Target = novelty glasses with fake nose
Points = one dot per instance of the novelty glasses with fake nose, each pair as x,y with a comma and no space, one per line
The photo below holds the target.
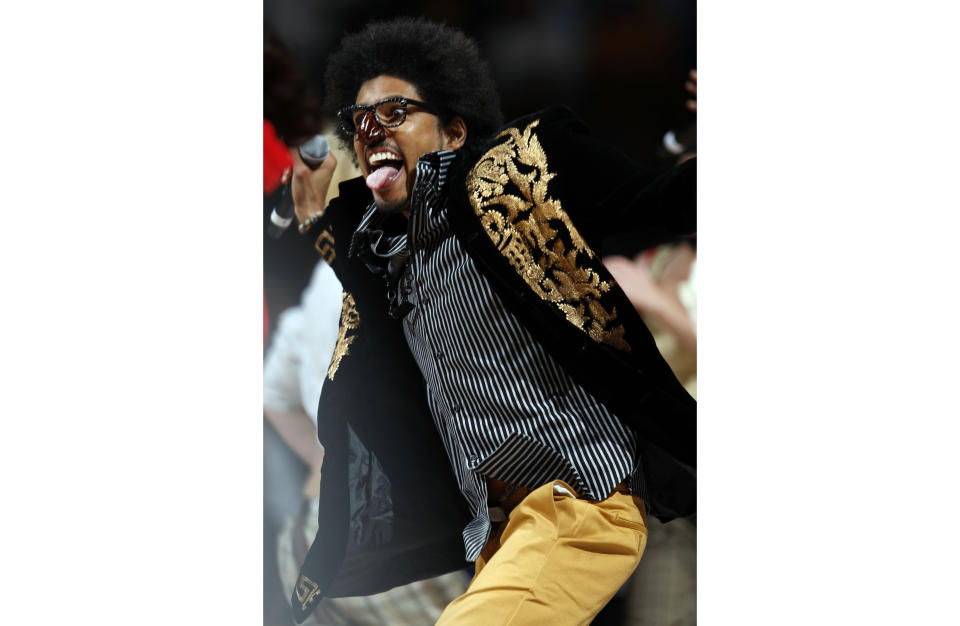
389,112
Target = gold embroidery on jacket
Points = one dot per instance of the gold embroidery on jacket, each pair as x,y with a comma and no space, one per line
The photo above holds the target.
324,245
349,320
307,592
508,191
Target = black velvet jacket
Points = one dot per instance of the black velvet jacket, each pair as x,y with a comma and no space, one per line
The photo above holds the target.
533,212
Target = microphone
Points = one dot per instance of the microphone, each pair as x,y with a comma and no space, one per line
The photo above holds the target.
313,152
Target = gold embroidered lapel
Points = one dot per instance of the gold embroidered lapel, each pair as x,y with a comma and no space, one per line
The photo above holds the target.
508,190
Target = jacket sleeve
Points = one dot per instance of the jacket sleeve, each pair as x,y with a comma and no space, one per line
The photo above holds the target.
332,233
665,202
608,192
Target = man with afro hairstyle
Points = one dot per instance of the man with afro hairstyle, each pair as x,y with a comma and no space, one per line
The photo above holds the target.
476,303
443,63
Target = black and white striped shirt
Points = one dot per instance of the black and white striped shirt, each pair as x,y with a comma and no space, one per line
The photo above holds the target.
504,407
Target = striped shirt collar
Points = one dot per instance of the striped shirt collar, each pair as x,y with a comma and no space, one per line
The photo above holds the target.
380,239
428,188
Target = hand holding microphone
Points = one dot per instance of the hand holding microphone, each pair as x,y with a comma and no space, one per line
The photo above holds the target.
306,194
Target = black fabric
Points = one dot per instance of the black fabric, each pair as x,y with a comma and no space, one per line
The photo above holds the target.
368,543
382,247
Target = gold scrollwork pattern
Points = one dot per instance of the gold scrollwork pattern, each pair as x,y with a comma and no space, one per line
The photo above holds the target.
508,191
349,320
324,245
307,592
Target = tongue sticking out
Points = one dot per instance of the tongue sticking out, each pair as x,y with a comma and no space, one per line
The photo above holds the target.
381,177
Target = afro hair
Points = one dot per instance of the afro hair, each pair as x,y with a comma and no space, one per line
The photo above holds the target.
440,61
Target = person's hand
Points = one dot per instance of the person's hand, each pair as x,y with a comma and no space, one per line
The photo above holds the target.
676,268
691,86
310,186
637,282
648,298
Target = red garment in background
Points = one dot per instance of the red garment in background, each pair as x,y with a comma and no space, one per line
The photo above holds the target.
276,158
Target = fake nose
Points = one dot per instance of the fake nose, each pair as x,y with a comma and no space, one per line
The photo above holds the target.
370,131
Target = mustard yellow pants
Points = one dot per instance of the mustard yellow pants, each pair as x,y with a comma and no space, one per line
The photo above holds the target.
556,560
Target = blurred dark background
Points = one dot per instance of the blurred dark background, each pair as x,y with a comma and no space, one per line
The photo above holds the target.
620,64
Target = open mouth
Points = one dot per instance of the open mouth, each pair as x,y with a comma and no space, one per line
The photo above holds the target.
384,166
381,158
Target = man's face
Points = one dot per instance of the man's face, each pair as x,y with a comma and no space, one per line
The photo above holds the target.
399,147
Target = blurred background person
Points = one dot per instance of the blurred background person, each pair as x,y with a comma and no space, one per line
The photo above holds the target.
294,370
660,282
290,116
